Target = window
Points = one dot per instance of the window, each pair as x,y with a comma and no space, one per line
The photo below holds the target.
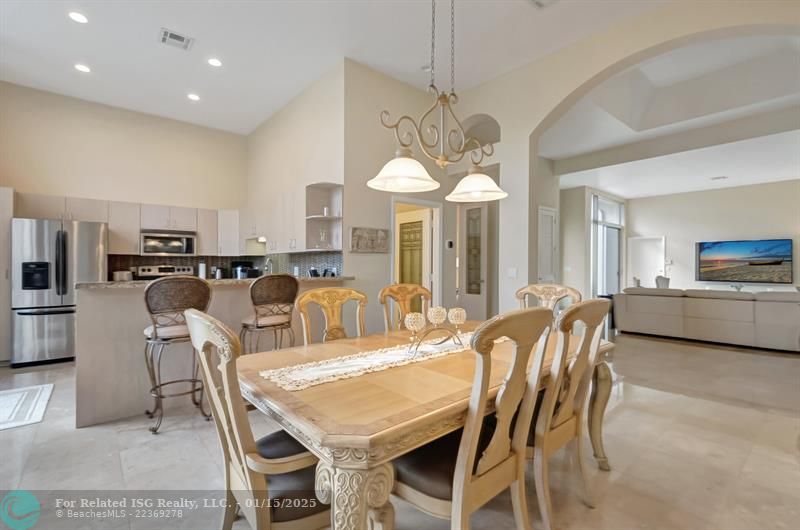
608,220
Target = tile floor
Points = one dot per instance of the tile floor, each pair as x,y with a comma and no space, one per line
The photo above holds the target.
699,437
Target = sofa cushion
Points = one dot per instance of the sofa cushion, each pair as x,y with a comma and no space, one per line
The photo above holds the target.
776,296
652,291
718,309
724,295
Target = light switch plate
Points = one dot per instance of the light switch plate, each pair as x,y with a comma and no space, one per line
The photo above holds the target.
512,272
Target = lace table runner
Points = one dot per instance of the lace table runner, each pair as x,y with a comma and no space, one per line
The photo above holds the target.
302,376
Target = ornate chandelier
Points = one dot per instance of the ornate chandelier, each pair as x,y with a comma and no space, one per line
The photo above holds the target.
441,137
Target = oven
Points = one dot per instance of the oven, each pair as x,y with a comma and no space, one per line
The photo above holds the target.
164,243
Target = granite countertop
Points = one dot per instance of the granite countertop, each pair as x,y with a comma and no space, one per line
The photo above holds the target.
228,281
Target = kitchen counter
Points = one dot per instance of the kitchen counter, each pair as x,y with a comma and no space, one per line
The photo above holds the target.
111,380
226,281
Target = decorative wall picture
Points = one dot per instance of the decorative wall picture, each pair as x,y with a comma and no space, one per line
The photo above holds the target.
369,240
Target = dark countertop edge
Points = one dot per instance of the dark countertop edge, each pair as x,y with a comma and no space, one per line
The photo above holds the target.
223,282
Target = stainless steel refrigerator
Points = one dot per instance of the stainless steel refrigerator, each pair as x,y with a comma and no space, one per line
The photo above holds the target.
47,258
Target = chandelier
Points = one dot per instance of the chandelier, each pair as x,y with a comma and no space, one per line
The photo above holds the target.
441,137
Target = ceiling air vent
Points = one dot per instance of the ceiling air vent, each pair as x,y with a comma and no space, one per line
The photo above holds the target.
171,38
543,3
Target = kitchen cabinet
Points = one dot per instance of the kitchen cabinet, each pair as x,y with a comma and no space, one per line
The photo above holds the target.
207,233
184,219
124,224
92,210
159,217
6,209
155,217
35,206
228,233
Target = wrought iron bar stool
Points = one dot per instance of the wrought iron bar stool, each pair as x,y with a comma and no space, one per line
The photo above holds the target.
273,299
166,299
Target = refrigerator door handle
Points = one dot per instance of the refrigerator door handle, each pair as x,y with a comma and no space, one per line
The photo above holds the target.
44,312
59,262
64,263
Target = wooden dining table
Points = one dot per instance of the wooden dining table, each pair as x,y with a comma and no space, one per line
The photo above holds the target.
357,426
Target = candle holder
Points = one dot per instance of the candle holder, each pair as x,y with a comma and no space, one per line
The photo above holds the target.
436,316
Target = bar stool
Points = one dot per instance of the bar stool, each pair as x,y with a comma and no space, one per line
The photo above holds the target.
273,299
166,299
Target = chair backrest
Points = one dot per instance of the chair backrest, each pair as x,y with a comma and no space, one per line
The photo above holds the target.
525,328
218,348
662,282
548,295
167,298
274,295
566,393
402,294
330,300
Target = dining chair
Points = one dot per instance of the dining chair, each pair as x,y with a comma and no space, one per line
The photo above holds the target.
403,294
548,295
330,300
166,299
559,420
273,299
270,480
455,475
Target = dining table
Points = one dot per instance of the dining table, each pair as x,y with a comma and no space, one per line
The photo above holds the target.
356,426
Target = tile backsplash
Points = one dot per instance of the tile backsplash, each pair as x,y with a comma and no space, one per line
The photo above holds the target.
283,263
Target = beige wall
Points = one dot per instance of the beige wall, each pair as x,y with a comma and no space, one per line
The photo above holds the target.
574,222
526,98
763,211
59,145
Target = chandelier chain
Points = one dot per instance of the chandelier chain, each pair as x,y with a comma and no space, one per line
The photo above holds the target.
452,45
433,42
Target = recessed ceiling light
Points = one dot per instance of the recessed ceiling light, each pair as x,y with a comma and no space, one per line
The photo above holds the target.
193,97
83,68
215,62
80,18
721,177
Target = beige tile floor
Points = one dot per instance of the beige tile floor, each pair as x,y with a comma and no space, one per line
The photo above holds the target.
699,437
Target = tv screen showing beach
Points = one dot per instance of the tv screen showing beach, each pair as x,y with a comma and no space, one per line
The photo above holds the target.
756,261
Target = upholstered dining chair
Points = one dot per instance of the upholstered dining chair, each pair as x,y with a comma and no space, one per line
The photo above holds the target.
273,299
547,295
403,294
270,480
455,475
560,416
330,300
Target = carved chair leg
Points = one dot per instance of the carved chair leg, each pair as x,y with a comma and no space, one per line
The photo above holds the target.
519,502
580,464
542,481
598,400
231,507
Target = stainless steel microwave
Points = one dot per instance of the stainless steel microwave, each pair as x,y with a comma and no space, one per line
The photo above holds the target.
164,243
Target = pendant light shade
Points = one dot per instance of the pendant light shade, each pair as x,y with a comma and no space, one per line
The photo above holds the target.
403,174
477,186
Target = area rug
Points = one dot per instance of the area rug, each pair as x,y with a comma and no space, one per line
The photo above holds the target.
23,406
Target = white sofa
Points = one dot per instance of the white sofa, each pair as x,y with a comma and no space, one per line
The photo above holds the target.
765,320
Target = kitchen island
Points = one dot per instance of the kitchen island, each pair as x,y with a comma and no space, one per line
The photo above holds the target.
111,380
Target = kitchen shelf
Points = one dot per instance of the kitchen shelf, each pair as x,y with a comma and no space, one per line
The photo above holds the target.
324,230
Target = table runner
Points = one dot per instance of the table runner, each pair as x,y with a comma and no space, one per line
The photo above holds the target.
302,376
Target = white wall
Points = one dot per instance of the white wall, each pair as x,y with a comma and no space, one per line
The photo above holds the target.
574,221
524,101
763,211
59,145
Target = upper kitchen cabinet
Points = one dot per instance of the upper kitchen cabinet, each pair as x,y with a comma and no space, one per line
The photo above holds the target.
35,206
228,233
184,219
91,210
158,217
123,227
207,232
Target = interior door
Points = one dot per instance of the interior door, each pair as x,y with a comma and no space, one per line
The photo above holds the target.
548,245
473,259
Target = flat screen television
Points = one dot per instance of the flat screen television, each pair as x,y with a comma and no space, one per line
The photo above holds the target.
752,261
